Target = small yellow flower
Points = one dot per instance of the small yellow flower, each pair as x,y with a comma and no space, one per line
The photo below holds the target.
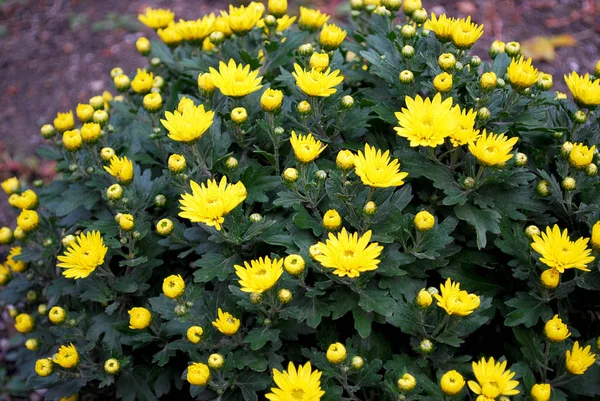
465,33
242,19
112,366
207,45
170,35
492,149
72,140
377,169
198,374
278,8
317,83
156,18
142,82
44,367
216,361
294,264
24,323
550,278
11,185
64,121
294,383
456,301
139,318
541,392
165,227
579,359
331,37
17,266
284,23
196,31
493,380
226,323
581,156
82,258
84,112
423,299
271,100
143,46
311,20
585,91
28,200
442,82
306,147
442,27
235,80
559,252
209,203
205,83
28,220
410,6
173,286
407,382
121,169
555,330
332,220
336,353
488,81
57,315
32,344
259,275
452,382
188,126
319,61
194,334
91,132
176,163
6,235
345,160
152,101
521,74
67,356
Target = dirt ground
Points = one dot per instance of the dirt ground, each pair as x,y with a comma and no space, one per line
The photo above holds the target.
54,54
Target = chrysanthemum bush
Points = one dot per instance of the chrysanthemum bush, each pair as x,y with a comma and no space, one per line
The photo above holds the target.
281,208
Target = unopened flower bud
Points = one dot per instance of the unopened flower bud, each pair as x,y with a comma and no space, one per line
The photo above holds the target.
231,163
255,217
304,108
469,182
543,188
180,310
216,38
531,231
521,159
143,46
100,117
406,77
544,82
314,251
426,346
279,131
48,131
357,362
591,170
392,5
579,117
408,32
160,200
565,149
512,49
569,184
370,208
321,175
239,115
420,16
216,361
500,83
256,297
447,61
306,49
284,296
356,4
483,114
475,61
347,102
290,175
408,51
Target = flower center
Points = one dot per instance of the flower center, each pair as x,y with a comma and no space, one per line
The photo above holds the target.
297,394
349,253
491,389
261,272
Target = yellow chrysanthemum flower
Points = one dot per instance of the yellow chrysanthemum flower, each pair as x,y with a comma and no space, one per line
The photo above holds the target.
442,27
195,31
170,35
156,17
579,359
493,379
11,185
465,33
348,254
139,318
67,356
521,73
331,36
595,235
198,374
28,200
277,7
317,83
142,82
242,19
581,156
284,23
24,323
311,20
456,301
491,149
585,91
15,265
64,121
209,203
188,126
82,257
376,169
555,330
226,323
302,384
306,147
121,169
452,382
28,220
426,122
235,80
173,286
44,367
465,132
259,275
559,252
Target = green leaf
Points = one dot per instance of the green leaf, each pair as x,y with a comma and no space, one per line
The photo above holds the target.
482,220
302,219
251,382
527,310
362,322
258,337
214,265
376,300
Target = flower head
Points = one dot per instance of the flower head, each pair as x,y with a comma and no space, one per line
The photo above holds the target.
336,353
556,330
271,100
317,83
541,392
15,265
24,323
91,132
196,30
156,17
521,74
194,334
452,382
64,121
332,220
465,132
331,36
188,126
142,82
277,7
456,301
581,156
139,318
11,185
442,82
226,323
284,23
493,379
67,356
442,27
579,359
198,374
377,169
82,258
559,252
242,19
311,20
424,221
28,220
465,33
72,140
306,147
173,286
44,367
259,275
585,91
121,168
235,80
492,149
210,202
595,240
426,122
301,384
170,35
348,254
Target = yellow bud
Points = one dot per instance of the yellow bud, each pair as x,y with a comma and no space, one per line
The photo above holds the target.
423,299
126,222
216,361
284,296
239,115
345,160
143,46
332,220
407,382
177,163
294,264
336,353
164,227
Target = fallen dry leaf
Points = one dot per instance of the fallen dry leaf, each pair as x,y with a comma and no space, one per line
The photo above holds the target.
543,47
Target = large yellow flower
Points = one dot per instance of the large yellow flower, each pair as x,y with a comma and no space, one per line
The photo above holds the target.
348,254
226,323
303,384
235,80
331,37
317,83
156,17
579,359
580,155
311,20
209,203
242,19
306,147
456,301
67,356
170,35
491,149
83,255
426,122
465,33
188,126
465,132
442,27
259,275
558,251
521,73
375,169
493,379
196,31
121,169
585,91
